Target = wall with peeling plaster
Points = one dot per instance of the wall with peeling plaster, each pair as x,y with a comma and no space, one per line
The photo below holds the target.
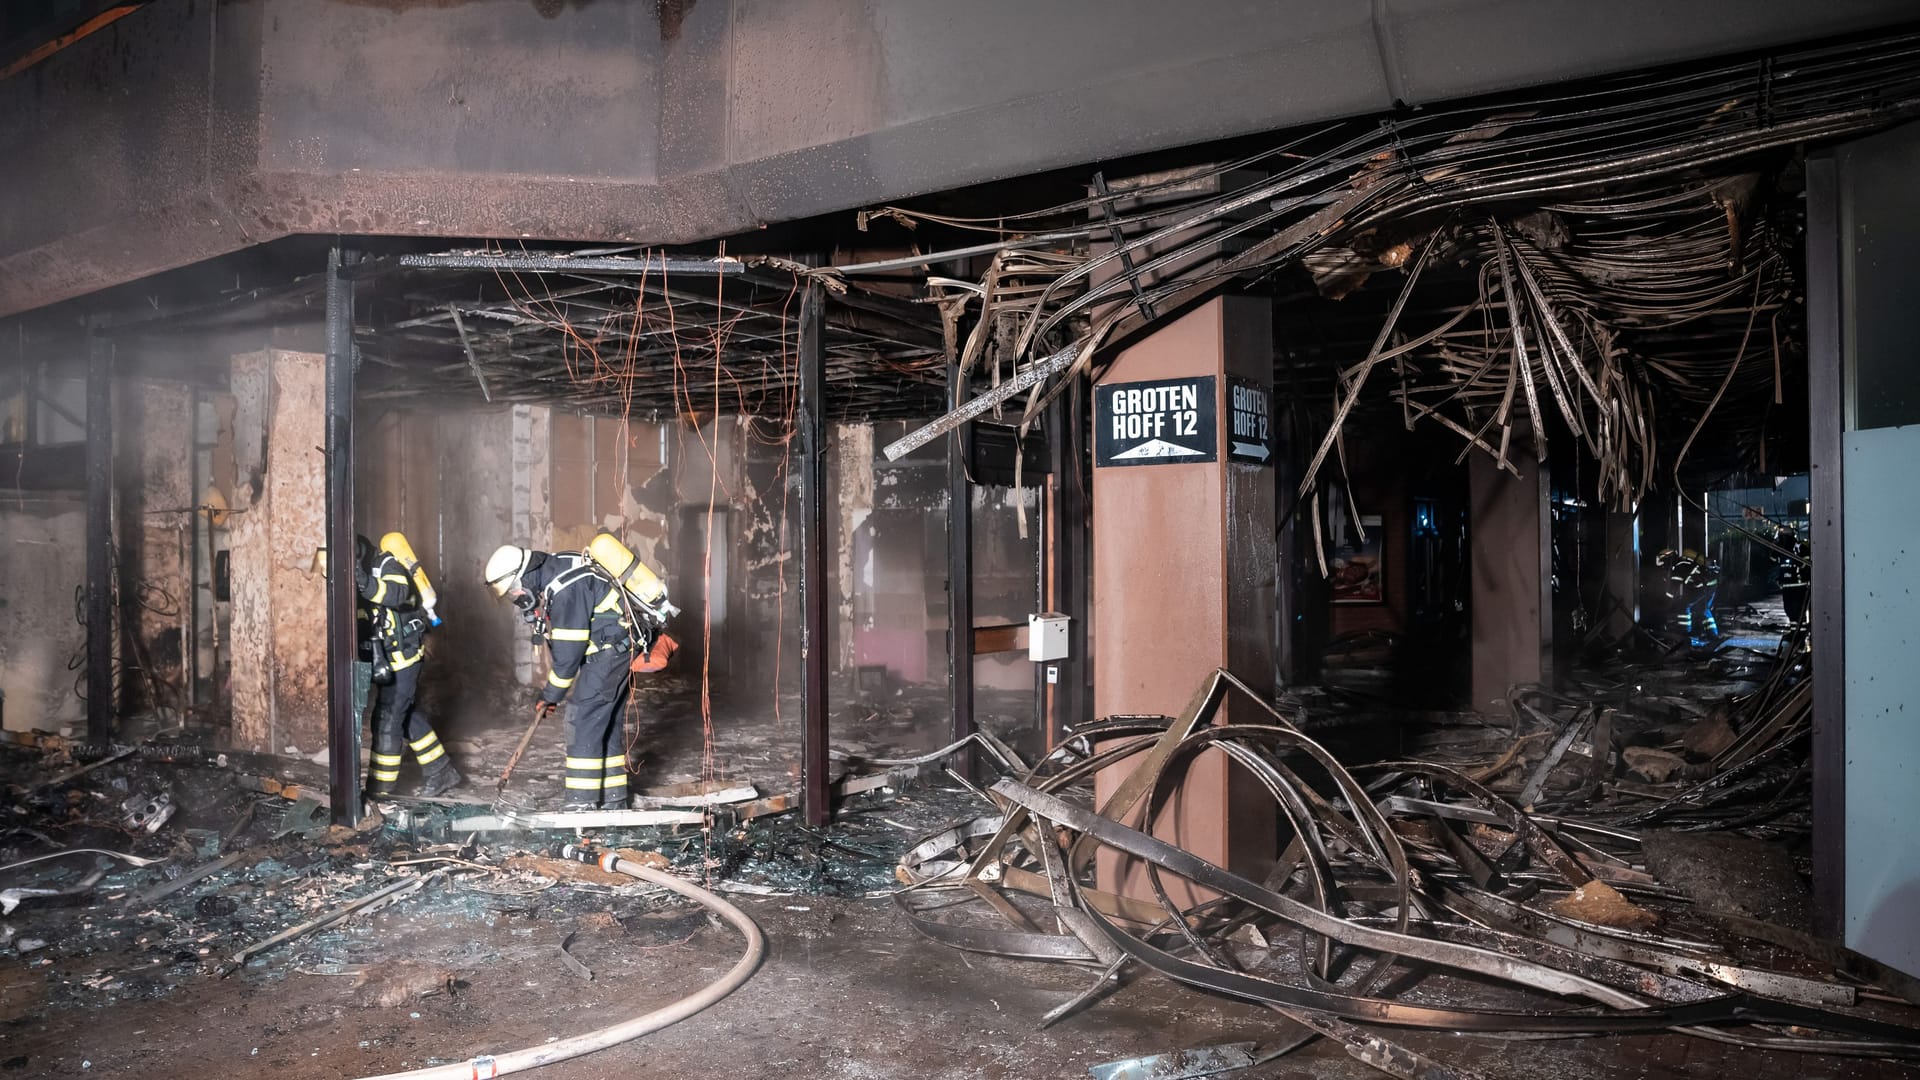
766,508
895,559
529,475
42,562
153,478
458,483
278,631
155,475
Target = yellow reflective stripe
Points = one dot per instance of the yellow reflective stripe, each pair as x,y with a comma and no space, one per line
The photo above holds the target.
387,759
401,663
428,757
386,776
424,741
567,635
554,678
583,783
583,763
398,578
615,780
379,591
612,761
611,603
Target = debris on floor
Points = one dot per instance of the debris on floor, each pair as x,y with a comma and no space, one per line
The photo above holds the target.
1409,891
1487,879
1179,1064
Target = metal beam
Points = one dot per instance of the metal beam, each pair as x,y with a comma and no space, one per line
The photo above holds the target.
813,557
559,263
959,574
1068,542
961,412
343,728
1826,426
100,699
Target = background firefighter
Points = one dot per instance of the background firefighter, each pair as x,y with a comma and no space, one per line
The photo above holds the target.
1796,573
1691,582
396,638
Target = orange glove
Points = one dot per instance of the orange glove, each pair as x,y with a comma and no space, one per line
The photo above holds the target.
545,709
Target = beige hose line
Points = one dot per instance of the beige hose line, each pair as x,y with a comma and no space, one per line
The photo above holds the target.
479,1068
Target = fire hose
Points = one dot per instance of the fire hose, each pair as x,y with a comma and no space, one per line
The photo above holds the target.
479,1068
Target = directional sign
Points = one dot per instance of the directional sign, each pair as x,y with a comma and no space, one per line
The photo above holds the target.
1157,422
1249,424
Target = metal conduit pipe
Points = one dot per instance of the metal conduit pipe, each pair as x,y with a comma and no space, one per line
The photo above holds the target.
479,1068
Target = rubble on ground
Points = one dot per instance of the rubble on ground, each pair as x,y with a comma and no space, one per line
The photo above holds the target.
1505,880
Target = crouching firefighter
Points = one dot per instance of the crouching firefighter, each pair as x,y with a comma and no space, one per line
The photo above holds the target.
592,625
391,585
1691,582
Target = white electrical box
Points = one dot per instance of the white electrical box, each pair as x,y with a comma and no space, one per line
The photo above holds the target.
1047,636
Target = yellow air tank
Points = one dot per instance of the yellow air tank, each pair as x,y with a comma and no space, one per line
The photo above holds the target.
618,559
395,544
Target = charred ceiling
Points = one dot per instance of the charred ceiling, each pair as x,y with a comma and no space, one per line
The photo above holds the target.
1609,266
189,130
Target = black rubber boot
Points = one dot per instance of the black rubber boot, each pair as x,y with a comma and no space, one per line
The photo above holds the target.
440,781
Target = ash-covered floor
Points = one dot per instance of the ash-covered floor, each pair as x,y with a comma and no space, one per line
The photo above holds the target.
134,975
670,739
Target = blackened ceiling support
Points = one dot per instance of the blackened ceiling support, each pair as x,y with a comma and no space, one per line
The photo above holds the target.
563,263
100,695
959,572
1068,540
343,726
814,794
1826,428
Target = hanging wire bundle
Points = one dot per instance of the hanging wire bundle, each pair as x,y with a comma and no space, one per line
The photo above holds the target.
644,342
1681,143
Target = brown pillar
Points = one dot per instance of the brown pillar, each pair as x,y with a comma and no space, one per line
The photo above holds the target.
1183,561
1511,598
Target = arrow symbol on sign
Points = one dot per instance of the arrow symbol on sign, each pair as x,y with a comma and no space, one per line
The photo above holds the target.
1256,451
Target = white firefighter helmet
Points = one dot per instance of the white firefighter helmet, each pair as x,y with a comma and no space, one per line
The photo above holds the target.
505,566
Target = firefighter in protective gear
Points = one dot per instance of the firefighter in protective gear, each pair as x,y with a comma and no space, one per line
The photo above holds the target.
397,629
1793,560
1796,572
579,609
1691,582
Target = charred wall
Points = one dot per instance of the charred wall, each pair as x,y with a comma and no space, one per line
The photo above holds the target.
460,481
42,562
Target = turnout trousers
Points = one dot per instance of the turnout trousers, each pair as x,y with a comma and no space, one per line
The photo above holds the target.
1793,597
596,731
398,728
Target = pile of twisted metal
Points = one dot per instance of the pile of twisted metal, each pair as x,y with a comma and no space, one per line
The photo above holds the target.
1408,895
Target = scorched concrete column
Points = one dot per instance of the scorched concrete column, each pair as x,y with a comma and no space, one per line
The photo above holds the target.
1183,563
279,628
1511,597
